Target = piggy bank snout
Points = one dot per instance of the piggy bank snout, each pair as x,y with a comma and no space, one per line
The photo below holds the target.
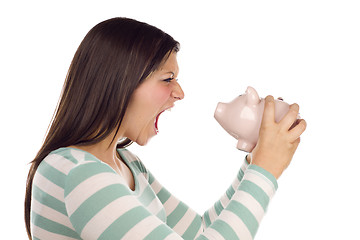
219,111
240,121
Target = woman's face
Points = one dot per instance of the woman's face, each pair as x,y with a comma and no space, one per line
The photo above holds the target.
156,94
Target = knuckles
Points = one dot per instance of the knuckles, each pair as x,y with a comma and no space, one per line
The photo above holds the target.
295,108
269,99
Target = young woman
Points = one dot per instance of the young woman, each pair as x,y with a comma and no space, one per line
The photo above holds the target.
84,184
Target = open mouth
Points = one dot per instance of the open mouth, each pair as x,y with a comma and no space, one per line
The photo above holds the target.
157,119
156,122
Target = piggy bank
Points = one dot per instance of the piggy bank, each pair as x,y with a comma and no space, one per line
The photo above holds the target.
241,117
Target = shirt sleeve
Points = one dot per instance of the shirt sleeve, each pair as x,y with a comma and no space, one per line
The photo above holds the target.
235,216
212,213
101,206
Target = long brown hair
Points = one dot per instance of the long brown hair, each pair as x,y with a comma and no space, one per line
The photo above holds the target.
112,60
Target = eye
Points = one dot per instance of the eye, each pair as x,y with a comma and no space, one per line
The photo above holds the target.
170,79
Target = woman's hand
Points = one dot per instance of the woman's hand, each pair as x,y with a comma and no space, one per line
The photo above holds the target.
277,141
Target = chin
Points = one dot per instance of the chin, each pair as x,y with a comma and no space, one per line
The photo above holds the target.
142,137
142,142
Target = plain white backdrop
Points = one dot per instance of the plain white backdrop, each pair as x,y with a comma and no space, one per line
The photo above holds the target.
304,51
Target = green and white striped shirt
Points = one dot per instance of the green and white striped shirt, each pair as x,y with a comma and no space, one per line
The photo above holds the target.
77,196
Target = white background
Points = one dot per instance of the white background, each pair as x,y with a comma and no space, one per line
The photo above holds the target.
304,51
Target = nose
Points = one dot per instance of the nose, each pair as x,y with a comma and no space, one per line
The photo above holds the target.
177,93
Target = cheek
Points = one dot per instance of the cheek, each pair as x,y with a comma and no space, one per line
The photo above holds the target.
149,100
160,95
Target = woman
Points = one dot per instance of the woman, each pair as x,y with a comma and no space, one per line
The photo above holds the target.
84,184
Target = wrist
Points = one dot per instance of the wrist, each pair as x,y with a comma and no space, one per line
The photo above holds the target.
275,172
267,165
268,176
248,158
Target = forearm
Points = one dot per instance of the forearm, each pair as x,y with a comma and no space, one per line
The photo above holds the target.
245,210
238,212
212,213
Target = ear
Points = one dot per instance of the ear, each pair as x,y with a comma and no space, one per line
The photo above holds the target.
252,97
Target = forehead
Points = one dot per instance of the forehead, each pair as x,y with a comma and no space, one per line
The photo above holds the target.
170,65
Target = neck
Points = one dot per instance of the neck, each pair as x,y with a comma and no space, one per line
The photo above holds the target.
104,150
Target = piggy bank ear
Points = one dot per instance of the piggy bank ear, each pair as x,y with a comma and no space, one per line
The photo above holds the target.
252,97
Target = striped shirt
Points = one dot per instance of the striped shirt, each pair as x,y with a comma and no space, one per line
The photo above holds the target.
77,196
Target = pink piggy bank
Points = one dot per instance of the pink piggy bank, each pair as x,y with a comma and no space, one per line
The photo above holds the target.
241,117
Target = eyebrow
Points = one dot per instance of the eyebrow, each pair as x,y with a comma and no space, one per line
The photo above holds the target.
167,71
171,72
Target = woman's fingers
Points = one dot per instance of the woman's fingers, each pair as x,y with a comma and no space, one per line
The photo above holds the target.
277,141
269,111
296,131
290,118
292,124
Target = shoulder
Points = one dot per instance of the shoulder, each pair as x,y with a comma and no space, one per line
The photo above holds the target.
66,160
133,160
65,168
73,154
